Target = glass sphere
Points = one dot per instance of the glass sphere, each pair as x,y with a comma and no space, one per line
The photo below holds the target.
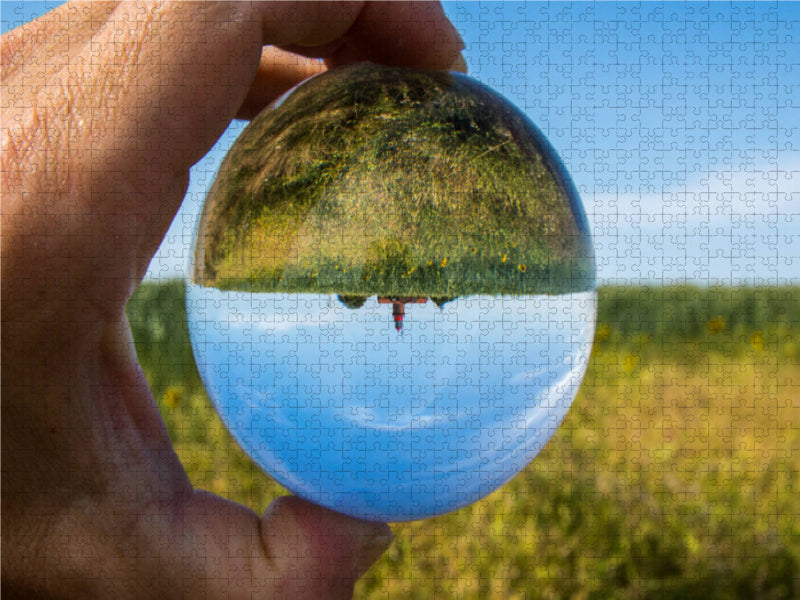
392,297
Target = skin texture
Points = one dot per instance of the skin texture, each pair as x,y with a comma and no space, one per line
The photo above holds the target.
104,109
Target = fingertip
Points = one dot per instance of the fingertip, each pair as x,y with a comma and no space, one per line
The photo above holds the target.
372,549
460,64
318,550
403,34
278,72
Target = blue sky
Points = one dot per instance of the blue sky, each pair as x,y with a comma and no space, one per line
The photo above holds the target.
679,123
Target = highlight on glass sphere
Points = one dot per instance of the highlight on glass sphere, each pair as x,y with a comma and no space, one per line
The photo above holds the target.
392,297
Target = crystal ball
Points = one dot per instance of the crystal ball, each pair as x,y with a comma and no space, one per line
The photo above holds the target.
392,297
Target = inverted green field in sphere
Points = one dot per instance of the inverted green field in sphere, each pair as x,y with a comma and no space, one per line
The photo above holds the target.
371,180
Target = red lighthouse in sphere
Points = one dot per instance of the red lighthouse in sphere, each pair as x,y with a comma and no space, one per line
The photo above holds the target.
399,308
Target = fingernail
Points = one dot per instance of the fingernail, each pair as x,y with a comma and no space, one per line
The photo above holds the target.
372,547
378,544
461,44
460,64
283,536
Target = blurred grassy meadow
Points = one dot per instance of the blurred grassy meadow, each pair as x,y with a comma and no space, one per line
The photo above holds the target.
676,473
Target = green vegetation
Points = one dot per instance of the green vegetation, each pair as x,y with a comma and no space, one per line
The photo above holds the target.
371,180
675,475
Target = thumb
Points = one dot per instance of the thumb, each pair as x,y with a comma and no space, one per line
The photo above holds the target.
296,550
318,553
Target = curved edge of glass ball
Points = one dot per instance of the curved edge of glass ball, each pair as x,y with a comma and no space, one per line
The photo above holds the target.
373,180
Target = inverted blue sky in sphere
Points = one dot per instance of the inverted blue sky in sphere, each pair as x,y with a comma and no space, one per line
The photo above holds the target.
411,423
678,122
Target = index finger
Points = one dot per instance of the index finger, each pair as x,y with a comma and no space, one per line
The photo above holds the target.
401,34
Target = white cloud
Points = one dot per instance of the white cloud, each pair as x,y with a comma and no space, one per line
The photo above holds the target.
722,226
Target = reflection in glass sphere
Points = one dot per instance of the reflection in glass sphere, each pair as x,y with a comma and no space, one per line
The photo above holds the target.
392,299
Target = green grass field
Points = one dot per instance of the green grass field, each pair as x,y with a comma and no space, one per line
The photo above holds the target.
676,473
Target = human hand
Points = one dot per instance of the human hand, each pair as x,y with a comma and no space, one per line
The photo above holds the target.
104,109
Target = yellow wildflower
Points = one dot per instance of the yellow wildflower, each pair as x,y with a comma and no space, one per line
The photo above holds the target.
172,397
757,340
715,325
